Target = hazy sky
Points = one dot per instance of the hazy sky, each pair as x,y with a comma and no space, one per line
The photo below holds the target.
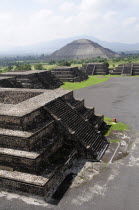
25,22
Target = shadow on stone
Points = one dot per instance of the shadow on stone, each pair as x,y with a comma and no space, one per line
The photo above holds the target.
62,189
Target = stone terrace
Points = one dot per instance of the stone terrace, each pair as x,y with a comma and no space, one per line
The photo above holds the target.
95,69
41,133
127,69
69,74
29,79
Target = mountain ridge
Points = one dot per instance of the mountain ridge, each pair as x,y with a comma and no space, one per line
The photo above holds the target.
53,45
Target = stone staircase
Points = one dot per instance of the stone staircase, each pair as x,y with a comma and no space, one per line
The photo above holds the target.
135,69
127,70
117,71
94,143
95,69
88,114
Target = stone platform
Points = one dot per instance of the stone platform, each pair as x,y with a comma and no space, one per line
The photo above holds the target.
95,69
41,133
127,69
38,79
69,74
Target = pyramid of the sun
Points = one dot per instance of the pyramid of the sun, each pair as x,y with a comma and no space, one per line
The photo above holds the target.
82,49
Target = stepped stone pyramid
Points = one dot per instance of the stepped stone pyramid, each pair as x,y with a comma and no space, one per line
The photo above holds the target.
69,74
95,69
29,79
41,133
82,49
127,69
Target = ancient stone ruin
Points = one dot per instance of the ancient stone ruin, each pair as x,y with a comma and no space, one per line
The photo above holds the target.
41,133
29,79
82,49
127,69
69,74
95,69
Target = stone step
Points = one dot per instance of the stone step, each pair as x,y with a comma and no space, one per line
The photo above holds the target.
26,85
100,70
26,122
25,140
115,73
100,73
97,121
77,104
86,113
126,74
43,185
13,180
30,161
21,160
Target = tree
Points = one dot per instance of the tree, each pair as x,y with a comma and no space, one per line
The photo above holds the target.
64,63
38,66
51,62
23,67
10,68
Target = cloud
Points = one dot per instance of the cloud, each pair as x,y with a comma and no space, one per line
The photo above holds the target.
130,21
68,7
41,15
51,19
43,1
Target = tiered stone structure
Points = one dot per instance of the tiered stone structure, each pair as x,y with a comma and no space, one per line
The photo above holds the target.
127,69
82,49
69,74
29,79
95,69
41,133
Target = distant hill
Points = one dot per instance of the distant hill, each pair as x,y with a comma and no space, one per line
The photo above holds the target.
82,49
49,47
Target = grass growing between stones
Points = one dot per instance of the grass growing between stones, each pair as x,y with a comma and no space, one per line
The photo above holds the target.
119,126
92,80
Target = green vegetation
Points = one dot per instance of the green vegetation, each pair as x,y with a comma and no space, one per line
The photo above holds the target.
121,60
119,126
5,62
116,126
22,67
91,60
38,66
92,80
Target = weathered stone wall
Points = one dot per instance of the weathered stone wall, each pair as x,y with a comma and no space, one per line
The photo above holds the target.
71,74
95,69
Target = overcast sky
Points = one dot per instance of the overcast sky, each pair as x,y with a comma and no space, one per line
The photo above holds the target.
25,22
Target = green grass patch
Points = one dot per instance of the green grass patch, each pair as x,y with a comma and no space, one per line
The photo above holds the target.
76,65
119,126
92,80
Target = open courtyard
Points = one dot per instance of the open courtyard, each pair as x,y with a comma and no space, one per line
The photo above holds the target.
113,183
